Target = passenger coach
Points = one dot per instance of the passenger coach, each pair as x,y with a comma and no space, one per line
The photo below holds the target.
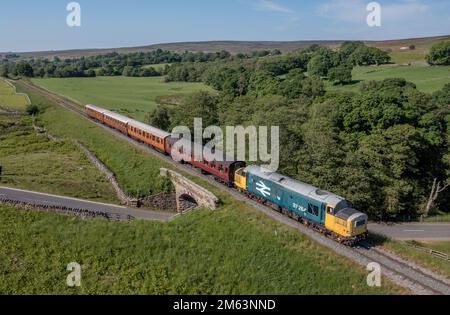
147,134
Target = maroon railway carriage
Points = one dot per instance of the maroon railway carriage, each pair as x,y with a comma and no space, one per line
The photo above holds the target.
224,171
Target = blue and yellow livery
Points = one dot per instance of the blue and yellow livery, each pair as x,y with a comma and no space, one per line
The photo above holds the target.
326,211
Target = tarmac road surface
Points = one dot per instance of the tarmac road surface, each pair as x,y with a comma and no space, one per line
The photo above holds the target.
413,231
42,199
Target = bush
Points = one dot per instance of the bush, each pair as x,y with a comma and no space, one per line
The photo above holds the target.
32,110
340,75
439,54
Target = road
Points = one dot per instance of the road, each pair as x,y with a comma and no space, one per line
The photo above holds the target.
417,281
413,231
41,199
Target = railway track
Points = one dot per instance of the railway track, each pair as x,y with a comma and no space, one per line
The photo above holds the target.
405,274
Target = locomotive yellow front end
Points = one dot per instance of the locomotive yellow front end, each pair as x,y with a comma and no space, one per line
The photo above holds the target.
348,225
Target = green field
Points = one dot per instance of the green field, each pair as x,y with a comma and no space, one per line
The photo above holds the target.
9,98
130,96
428,79
438,265
33,162
232,250
224,252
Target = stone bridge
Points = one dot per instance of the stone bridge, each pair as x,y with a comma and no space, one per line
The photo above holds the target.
190,195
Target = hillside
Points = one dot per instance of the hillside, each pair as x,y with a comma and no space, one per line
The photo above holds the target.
422,46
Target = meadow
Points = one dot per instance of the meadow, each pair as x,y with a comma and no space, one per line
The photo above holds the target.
33,162
135,97
235,250
427,79
10,99
224,252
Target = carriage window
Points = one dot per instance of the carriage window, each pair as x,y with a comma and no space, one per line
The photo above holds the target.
220,168
153,138
157,140
314,210
213,164
206,163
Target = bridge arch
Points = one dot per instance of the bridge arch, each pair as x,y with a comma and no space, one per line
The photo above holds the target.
189,195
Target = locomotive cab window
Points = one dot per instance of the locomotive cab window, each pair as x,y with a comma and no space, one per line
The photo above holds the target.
330,210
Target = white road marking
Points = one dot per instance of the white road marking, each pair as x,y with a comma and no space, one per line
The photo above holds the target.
413,230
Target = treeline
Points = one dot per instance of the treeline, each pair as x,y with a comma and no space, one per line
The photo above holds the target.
283,75
111,64
115,64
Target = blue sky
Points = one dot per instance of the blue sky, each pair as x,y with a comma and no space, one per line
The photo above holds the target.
30,25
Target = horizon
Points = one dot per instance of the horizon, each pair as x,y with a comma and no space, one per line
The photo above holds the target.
223,41
42,26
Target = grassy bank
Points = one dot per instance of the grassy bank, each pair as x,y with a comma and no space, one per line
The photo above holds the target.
438,265
130,96
10,99
33,162
205,252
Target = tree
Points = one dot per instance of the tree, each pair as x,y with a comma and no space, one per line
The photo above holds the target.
340,75
392,157
4,71
91,73
348,48
291,86
197,105
24,69
160,118
436,189
364,55
439,54
313,87
319,65
127,71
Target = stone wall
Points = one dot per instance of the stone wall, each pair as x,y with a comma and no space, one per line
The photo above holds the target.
124,199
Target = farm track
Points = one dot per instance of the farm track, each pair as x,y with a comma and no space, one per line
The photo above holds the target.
407,275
